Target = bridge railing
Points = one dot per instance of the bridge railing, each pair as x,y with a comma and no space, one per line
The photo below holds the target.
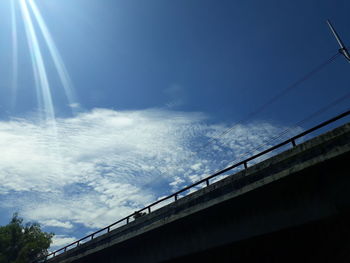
175,196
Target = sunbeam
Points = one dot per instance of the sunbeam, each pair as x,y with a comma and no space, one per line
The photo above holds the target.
14,80
40,74
56,57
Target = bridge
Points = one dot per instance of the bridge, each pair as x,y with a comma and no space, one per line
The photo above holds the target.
291,207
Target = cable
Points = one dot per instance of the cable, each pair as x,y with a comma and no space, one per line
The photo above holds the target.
251,152
310,117
274,98
268,103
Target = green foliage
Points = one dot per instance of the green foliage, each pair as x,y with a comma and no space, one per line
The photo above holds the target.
23,243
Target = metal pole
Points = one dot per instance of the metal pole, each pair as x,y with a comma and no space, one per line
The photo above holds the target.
343,50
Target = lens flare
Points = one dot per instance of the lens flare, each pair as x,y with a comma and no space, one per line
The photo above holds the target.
40,74
14,80
55,54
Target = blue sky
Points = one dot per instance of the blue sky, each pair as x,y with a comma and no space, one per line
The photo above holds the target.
128,92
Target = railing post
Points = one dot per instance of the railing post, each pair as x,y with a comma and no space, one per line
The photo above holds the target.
207,182
92,236
78,243
175,196
149,209
127,220
293,143
245,165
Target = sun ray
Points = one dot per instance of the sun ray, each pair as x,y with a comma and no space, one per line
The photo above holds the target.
14,80
40,74
55,54
35,72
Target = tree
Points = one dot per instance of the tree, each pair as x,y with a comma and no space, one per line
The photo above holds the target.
23,243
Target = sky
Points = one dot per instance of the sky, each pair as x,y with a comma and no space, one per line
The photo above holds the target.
108,105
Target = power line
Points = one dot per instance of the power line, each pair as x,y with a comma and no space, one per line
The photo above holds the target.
275,98
267,104
310,117
278,136
346,96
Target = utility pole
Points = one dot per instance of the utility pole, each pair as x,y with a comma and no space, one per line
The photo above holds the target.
343,50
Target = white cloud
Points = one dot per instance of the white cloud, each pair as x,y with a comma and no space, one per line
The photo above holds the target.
74,105
177,95
57,223
61,240
196,166
102,165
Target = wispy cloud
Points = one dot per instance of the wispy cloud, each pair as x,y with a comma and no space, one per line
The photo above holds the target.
110,163
61,240
57,223
176,95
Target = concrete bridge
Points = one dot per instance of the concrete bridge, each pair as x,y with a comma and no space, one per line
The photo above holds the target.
293,207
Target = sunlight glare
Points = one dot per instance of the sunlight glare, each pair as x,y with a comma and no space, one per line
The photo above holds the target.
57,59
14,81
40,74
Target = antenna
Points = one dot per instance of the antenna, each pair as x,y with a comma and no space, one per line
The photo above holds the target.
342,49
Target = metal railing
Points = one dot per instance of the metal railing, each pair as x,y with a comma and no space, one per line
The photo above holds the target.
206,180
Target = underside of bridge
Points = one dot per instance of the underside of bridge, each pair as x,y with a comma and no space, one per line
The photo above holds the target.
321,240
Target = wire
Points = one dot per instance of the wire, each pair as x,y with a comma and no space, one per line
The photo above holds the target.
251,152
310,117
281,134
275,98
268,103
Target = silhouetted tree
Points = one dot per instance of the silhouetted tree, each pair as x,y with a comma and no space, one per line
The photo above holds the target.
23,243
